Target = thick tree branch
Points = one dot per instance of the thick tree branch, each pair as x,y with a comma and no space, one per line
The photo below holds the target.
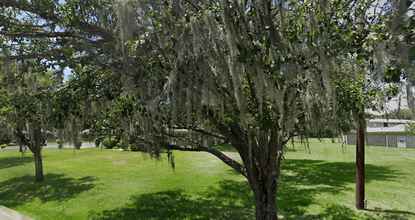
230,162
80,25
37,34
23,139
208,133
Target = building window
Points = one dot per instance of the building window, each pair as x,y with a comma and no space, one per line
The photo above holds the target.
385,125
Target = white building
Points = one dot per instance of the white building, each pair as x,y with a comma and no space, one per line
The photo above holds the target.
388,133
376,123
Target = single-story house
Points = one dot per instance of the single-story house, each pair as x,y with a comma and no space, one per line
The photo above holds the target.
383,132
379,122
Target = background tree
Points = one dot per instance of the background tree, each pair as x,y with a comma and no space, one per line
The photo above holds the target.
25,108
398,114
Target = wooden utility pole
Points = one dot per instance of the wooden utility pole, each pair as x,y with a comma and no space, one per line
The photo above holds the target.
360,165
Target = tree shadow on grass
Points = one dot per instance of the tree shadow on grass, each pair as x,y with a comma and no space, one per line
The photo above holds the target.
341,212
392,214
57,187
333,174
231,193
301,180
227,201
8,162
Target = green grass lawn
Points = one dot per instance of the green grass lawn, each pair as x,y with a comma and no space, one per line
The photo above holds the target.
315,184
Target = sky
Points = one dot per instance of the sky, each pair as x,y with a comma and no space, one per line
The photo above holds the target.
66,73
391,105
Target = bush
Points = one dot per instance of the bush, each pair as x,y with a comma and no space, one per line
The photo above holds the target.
106,143
110,144
78,145
98,141
122,145
5,140
59,140
139,145
135,147
3,146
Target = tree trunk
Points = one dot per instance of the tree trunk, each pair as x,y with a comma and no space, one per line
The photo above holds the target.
265,208
35,145
38,165
264,183
262,161
360,166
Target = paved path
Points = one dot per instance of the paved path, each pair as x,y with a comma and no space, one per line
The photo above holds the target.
8,214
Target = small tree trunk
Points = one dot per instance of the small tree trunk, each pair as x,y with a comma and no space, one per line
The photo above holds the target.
360,166
38,166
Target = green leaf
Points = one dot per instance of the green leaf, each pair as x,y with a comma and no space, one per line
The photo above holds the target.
392,75
302,21
411,52
382,36
399,28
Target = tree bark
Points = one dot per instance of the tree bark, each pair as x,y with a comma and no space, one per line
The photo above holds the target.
263,173
38,165
265,208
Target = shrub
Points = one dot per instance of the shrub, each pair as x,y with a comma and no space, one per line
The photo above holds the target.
135,147
106,142
109,144
122,145
114,142
59,140
98,141
3,146
5,140
78,145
